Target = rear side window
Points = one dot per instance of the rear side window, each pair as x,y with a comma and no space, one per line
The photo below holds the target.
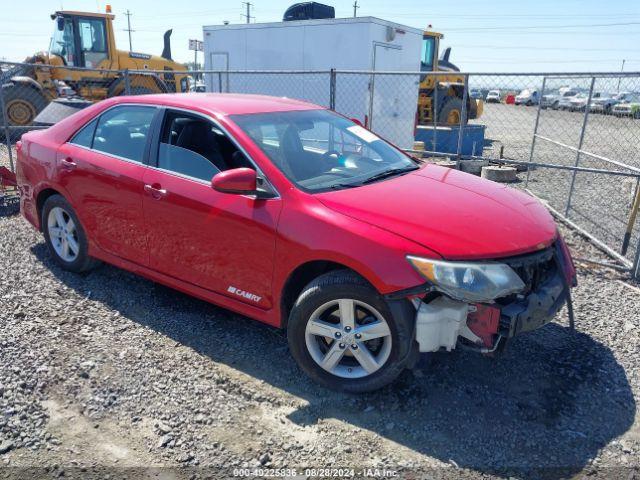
84,137
123,131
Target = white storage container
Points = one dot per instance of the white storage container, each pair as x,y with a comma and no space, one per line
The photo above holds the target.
362,43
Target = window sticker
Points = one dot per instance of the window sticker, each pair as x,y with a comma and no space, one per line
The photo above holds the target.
363,134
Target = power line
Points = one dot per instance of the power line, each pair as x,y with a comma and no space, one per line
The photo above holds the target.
128,29
248,14
555,49
497,16
535,27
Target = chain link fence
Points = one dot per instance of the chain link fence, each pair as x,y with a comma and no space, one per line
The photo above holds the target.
574,137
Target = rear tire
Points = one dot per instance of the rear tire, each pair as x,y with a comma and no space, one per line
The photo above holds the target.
23,104
64,235
341,357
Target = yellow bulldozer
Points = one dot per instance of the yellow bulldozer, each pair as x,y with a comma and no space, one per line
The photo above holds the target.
441,96
81,41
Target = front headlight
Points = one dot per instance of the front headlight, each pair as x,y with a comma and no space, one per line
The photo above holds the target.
468,281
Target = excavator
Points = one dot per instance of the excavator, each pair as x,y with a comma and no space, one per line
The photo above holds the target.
80,41
442,96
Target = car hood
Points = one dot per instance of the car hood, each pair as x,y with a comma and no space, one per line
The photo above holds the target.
455,214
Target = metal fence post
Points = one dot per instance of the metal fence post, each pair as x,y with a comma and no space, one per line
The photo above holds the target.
5,122
635,270
371,91
463,115
127,82
535,131
434,112
584,128
332,89
219,82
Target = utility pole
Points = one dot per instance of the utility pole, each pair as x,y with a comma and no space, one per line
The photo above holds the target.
355,7
248,14
128,29
620,77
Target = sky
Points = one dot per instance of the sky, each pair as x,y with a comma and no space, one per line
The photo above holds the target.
485,36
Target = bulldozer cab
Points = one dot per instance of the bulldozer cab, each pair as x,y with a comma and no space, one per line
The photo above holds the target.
83,40
429,55
441,97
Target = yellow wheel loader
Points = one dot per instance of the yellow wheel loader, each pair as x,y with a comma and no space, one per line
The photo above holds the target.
83,40
442,95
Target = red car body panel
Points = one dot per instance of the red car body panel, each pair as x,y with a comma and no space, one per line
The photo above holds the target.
459,216
203,242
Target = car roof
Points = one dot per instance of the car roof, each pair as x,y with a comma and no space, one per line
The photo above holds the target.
222,103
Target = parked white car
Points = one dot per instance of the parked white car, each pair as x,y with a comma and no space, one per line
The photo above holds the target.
553,99
564,101
528,97
607,101
493,96
579,101
630,107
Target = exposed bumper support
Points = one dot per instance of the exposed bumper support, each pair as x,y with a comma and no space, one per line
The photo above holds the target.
443,321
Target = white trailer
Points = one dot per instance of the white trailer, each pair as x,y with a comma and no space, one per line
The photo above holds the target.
387,103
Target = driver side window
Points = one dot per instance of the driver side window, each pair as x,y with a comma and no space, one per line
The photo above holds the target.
62,42
193,146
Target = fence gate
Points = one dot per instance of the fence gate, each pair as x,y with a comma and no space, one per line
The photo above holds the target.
598,195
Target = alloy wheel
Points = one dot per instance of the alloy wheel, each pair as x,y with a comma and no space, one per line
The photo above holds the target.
63,234
348,338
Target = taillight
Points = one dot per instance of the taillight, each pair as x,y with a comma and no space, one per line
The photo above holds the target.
18,146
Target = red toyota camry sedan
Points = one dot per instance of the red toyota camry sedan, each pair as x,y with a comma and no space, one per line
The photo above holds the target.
298,217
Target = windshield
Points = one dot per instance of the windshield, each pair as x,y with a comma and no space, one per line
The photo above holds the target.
62,43
319,150
428,48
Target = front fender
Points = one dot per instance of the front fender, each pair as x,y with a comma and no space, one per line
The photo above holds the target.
310,232
27,81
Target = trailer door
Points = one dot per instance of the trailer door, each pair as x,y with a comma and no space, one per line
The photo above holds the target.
392,103
220,64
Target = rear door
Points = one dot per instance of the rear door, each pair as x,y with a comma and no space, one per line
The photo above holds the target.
218,241
102,168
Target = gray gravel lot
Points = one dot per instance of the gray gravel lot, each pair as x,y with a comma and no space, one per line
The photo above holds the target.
108,370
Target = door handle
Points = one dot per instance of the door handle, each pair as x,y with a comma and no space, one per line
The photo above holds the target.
155,191
68,163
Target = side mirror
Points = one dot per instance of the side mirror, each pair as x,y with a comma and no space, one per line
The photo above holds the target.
356,121
241,181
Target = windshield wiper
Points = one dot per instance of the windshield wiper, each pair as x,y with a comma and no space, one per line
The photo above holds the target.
337,186
388,173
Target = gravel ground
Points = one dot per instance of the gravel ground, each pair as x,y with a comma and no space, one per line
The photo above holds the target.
108,375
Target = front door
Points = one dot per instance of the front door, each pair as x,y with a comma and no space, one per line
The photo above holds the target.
101,168
217,241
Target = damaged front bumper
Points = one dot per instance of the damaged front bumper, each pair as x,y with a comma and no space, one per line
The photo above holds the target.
445,323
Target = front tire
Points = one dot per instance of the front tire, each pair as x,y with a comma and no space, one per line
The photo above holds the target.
346,336
23,104
451,111
64,235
